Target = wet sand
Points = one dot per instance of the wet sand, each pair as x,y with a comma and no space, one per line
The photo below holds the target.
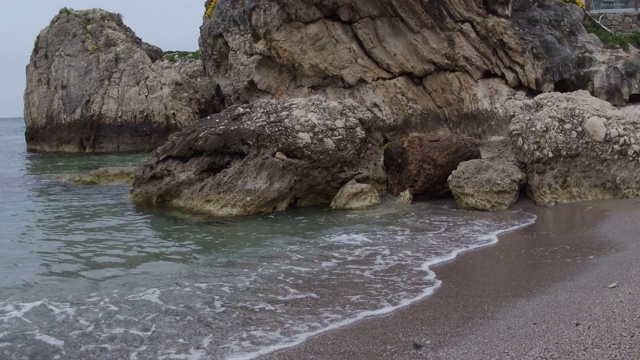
542,292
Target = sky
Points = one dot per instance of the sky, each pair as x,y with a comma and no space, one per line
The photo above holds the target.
169,24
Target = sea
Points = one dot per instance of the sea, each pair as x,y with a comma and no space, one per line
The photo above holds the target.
87,274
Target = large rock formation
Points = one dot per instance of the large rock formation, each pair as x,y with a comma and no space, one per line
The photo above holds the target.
422,66
576,147
92,85
263,157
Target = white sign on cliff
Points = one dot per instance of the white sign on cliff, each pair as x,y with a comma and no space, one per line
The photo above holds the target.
613,5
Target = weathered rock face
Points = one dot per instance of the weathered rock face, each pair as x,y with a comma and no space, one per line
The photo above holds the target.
355,196
92,85
569,59
422,166
576,147
422,66
486,185
265,156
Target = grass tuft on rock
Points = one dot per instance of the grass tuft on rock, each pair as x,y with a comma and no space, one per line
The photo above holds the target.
614,40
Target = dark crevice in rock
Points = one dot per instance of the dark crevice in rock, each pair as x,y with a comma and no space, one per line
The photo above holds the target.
223,162
488,74
565,85
634,99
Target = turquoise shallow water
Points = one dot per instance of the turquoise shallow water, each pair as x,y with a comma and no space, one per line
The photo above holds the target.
87,274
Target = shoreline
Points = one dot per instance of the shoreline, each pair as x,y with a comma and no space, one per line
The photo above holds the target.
502,300
428,267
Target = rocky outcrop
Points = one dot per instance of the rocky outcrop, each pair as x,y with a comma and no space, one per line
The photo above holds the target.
576,147
422,166
355,196
422,66
93,85
486,185
265,156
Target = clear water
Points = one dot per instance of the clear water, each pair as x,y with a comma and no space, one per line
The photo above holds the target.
86,274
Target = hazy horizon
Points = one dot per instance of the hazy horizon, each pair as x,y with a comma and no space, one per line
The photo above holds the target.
169,24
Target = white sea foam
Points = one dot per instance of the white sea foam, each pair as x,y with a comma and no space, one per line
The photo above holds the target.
134,355
91,347
194,354
295,294
18,310
487,239
49,339
152,295
352,239
207,341
134,332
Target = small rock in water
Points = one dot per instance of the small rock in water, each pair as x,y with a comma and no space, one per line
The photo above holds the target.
405,197
417,345
613,285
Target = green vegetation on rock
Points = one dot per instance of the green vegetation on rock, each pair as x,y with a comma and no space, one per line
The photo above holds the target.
176,56
65,11
611,39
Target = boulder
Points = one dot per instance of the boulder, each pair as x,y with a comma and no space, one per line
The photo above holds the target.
577,147
486,185
265,156
355,196
405,197
94,86
423,166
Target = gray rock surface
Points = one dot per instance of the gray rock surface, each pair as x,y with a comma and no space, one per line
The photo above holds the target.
93,85
355,196
576,147
265,156
421,66
486,185
423,166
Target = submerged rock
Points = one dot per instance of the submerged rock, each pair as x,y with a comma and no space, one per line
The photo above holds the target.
576,147
355,196
94,86
486,185
422,166
105,175
265,156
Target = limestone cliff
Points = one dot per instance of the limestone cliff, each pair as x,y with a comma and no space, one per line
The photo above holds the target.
93,85
422,66
424,71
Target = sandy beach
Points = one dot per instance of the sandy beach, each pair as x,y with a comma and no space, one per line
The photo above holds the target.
566,287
